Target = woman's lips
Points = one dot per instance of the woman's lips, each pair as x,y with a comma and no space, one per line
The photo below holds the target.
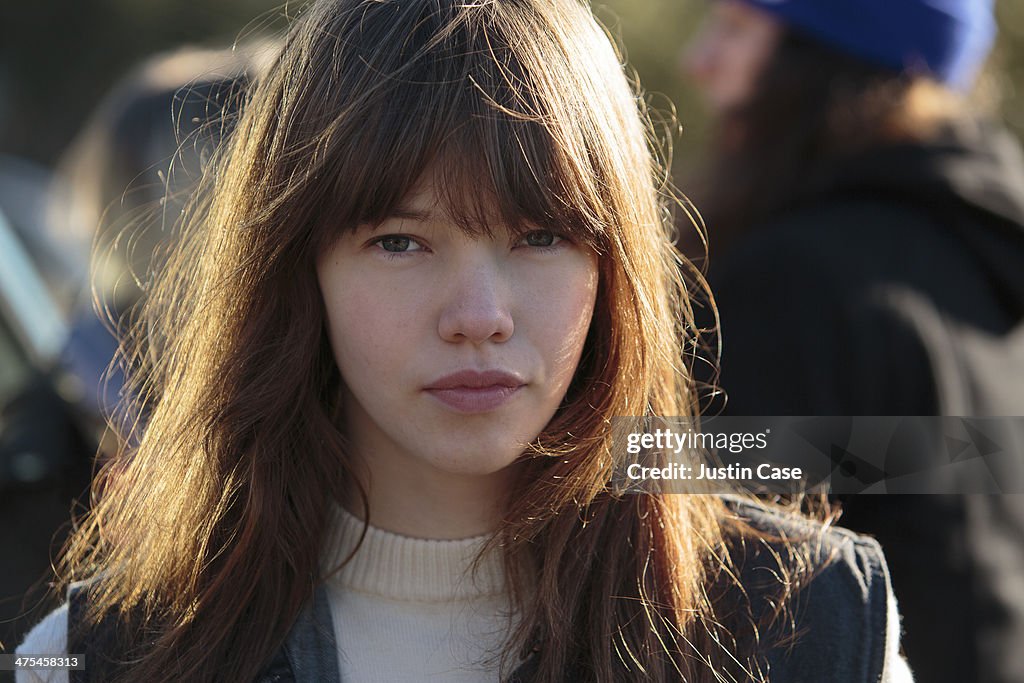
474,391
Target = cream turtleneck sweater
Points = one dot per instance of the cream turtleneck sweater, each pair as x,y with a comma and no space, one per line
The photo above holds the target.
410,609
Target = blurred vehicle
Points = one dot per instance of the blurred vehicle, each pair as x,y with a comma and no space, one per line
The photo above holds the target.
39,437
83,240
45,455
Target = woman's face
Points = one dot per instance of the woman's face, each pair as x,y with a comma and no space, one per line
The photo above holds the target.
729,52
455,351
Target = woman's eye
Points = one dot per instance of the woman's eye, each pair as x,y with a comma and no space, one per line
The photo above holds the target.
398,244
540,238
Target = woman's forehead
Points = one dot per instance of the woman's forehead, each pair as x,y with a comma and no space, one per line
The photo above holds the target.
422,201
433,198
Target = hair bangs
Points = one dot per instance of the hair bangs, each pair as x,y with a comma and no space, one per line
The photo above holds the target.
469,101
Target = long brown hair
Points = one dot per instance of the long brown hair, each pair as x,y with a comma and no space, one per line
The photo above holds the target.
205,537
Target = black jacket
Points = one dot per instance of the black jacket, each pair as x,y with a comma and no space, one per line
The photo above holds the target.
893,284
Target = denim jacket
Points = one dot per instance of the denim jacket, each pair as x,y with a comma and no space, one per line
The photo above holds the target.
854,584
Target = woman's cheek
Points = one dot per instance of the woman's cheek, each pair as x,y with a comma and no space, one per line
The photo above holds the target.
567,296
373,331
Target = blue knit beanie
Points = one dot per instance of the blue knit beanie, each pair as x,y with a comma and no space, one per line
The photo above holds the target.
949,39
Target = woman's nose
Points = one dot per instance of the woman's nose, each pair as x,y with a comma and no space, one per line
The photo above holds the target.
477,305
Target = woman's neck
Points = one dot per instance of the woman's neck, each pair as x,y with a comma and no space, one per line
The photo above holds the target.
423,503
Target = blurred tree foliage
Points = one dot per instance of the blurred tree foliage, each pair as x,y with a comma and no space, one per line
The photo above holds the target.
58,57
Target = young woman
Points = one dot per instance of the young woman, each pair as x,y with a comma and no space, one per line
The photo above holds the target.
867,232
435,261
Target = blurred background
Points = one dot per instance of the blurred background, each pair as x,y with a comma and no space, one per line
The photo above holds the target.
58,58
63,64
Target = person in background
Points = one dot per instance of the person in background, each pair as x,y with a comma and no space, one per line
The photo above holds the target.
867,257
